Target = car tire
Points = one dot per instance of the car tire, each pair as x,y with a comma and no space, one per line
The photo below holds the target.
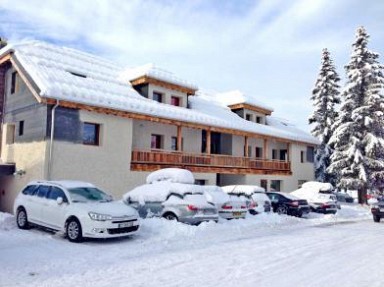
376,218
73,230
22,218
282,210
170,216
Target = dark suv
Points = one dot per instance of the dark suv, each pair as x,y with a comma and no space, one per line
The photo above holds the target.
377,210
284,203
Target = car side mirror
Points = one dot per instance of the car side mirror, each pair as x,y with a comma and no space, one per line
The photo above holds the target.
59,200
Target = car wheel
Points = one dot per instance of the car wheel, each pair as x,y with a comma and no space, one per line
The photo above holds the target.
22,218
282,210
170,216
376,218
73,229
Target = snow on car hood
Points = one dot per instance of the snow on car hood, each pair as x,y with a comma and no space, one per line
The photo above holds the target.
312,195
113,208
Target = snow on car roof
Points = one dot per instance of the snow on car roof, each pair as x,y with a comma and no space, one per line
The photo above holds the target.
215,194
176,175
318,186
243,189
159,191
70,75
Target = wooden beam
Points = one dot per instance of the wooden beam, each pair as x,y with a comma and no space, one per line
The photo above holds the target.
4,59
208,142
251,108
288,151
246,144
265,149
149,80
179,138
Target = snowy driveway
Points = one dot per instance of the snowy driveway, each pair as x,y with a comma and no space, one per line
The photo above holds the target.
267,250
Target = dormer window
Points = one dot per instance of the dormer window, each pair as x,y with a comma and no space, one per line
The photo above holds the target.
158,97
258,120
248,117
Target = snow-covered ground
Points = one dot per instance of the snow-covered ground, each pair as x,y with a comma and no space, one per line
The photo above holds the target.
263,250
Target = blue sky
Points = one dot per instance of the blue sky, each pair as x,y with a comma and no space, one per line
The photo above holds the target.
268,49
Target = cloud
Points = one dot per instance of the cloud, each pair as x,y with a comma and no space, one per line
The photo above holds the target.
269,48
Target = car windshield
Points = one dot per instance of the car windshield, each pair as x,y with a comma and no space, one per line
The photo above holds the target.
84,194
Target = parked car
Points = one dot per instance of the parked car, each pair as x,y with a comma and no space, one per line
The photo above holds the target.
318,202
284,203
257,200
377,210
174,201
229,207
344,197
77,208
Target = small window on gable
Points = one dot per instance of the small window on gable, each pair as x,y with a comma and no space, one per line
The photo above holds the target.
21,128
248,117
158,97
302,156
258,120
13,82
91,134
156,141
175,101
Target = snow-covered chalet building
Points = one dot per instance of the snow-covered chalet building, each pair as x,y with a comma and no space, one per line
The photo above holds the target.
66,114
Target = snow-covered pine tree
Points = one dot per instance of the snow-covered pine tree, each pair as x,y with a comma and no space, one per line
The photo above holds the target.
359,130
325,96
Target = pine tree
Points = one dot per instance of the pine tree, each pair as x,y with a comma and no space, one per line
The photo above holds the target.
325,97
359,130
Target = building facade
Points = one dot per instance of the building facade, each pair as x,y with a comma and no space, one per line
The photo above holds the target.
66,114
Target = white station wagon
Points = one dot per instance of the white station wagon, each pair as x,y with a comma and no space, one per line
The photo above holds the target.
77,208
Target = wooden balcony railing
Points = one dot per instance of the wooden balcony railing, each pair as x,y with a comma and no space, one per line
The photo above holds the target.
154,159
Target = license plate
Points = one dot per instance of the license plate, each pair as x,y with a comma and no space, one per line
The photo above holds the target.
236,214
125,224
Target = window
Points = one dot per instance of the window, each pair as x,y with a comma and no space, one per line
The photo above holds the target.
249,151
21,128
259,152
248,117
264,184
158,97
42,191
302,156
274,154
13,82
56,192
175,101
310,154
258,120
91,134
200,181
174,143
283,154
276,185
30,190
156,141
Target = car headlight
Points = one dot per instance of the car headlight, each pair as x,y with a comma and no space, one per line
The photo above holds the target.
99,217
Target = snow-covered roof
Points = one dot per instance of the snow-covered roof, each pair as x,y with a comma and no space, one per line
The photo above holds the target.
152,71
70,75
177,175
237,97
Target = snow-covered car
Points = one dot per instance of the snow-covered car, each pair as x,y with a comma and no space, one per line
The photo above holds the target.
286,203
257,200
229,207
175,201
77,208
319,201
344,197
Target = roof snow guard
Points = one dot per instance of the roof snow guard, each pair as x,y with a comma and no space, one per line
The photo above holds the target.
150,74
7,169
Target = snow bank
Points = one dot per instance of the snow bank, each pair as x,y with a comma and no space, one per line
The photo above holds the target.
172,175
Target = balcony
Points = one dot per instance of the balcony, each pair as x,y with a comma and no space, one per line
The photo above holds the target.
213,163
